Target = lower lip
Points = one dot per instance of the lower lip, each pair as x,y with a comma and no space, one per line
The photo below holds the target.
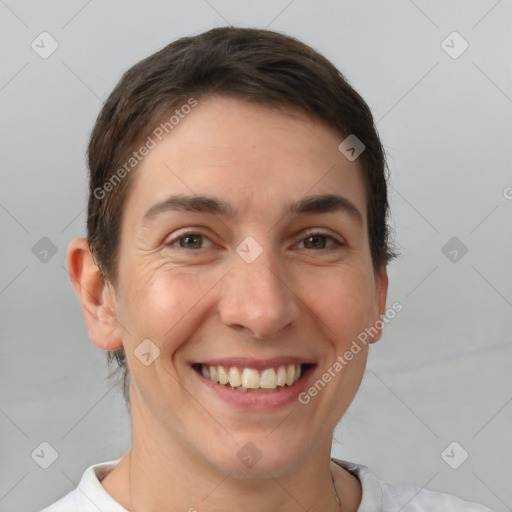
267,401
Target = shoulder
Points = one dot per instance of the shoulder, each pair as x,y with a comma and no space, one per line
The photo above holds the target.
416,499
385,497
89,495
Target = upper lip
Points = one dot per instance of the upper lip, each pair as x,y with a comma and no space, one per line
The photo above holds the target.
257,364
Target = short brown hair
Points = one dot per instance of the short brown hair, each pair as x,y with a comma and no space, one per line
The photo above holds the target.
250,64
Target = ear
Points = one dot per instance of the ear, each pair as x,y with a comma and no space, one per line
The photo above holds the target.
379,307
95,294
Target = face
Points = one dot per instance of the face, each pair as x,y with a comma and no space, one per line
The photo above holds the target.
244,255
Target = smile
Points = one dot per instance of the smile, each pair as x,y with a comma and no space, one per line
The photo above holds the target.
245,379
248,379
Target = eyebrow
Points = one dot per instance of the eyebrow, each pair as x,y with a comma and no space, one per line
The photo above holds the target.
325,203
200,204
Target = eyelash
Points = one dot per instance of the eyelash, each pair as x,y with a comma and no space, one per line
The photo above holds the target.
190,232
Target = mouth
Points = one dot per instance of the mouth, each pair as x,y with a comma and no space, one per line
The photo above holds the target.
248,379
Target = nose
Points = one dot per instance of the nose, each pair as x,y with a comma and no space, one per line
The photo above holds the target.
258,298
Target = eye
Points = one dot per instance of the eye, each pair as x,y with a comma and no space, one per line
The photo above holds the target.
318,240
189,240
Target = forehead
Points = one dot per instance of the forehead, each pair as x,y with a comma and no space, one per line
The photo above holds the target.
254,156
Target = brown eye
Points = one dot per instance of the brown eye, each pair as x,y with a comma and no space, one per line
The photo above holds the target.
189,240
192,241
318,241
315,242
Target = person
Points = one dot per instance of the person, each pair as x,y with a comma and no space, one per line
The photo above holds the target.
235,270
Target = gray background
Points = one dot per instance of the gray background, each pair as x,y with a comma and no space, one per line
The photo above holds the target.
441,373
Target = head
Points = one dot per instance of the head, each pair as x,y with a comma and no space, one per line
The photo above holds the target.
253,118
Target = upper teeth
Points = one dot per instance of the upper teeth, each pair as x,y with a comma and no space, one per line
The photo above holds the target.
250,378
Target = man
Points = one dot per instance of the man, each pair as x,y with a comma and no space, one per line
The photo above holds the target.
235,267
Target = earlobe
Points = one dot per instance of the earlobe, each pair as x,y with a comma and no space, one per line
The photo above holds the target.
95,294
379,310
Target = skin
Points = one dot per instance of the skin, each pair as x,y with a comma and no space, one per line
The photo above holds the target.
206,302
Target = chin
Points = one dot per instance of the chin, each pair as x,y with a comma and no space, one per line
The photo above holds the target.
258,458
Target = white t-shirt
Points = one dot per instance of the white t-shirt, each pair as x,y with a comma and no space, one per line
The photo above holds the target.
377,496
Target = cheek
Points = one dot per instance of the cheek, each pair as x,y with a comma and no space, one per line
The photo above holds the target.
161,307
166,305
342,298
